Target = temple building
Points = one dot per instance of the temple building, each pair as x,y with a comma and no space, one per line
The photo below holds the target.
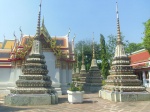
140,61
122,84
58,56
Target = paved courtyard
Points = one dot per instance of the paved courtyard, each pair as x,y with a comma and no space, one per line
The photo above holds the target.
92,103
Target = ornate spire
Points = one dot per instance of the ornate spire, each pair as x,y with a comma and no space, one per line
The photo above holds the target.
82,56
36,46
73,46
77,65
77,61
119,51
21,35
93,47
38,24
43,21
118,26
82,71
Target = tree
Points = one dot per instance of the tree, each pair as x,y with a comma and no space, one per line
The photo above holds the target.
87,47
146,39
133,47
110,47
129,47
105,65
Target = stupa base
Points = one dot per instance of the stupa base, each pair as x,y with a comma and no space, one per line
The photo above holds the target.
124,96
31,99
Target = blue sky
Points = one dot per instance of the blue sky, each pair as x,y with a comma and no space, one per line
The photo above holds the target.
83,17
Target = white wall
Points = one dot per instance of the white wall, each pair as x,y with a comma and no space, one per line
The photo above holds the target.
5,74
54,73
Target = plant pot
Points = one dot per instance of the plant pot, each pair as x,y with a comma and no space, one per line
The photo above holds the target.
75,96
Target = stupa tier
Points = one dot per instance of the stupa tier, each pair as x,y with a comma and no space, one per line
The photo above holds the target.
122,85
121,77
34,79
34,86
93,81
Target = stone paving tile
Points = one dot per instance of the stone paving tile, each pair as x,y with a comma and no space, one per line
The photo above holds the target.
91,104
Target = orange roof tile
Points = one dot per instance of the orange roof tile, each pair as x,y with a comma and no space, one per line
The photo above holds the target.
139,57
1,44
61,41
8,44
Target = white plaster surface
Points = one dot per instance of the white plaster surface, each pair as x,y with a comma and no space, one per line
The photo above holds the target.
124,96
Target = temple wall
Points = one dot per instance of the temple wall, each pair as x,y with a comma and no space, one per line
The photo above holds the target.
60,76
70,75
54,72
15,73
5,74
8,79
64,84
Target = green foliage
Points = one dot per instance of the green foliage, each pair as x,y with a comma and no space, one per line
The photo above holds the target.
133,47
103,82
111,45
146,39
87,47
129,47
73,87
77,79
105,65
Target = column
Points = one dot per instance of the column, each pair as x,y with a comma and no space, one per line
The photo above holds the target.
149,70
144,79
149,77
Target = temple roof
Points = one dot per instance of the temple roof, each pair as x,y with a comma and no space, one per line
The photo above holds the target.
25,39
139,56
1,45
61,41
7,44
45,32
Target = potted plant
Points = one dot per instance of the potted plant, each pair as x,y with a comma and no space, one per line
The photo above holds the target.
75,93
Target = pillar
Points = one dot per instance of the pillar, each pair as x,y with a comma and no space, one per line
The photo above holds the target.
149,77
144,79
149,70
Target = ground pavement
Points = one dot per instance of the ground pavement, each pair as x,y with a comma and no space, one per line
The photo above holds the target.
92,103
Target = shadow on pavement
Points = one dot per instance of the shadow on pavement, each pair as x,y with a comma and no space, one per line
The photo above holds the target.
11,109
62,100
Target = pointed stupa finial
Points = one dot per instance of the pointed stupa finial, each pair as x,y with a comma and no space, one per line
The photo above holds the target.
43,21
119,51
93,47
118,26
77,60
82,55
38,24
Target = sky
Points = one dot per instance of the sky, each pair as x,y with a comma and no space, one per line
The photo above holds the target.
83,17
